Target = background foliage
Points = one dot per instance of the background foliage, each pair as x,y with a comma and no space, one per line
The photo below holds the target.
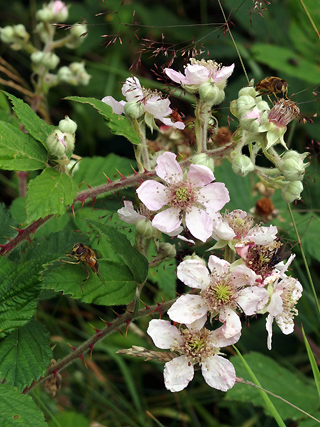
118,391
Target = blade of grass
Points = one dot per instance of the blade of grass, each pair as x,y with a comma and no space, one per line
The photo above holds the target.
313,363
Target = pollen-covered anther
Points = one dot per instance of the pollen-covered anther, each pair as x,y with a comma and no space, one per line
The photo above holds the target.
283,112
219,294
182,196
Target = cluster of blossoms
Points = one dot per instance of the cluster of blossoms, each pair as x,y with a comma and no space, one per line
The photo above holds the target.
186,198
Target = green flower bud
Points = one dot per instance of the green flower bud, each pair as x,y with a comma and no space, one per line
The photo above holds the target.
203,159
50,60
292,191
209,92
81,77
145,228
293,170
67,125
77,30
64,74
7,34
20,31
168,250
134,109
242,165
59,144
44,15
248,91
37,57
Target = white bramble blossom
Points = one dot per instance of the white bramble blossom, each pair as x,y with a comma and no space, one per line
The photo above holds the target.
221,293
190,199
143,102
195,345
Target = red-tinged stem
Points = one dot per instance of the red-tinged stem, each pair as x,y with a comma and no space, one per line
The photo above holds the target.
87,345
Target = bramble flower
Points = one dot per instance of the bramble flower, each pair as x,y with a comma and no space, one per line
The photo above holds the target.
190,199
195,345
237,230
221,293
200,72
143,102
284,297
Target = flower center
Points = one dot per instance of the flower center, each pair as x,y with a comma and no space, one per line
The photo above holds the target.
182,196
195,346
219,294
240,226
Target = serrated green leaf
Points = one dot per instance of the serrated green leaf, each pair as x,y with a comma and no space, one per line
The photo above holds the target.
25,355
137,263
19,290
115,286
6,225
37,127
18,409
282,59
119,125
20,151
278,380
50,193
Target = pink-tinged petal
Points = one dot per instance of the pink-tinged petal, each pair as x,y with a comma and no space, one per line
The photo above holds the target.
214,196
177,374
196,74
218,373
167,221
242,249
199,223
262,235
176,232
193,273
232,324
244,276
132,89
218,266
176,76
218,340
117,107
276,304
187,309
199,175
197,325
169,122
163,334
168,168
269,322
153,194
223,74
128,214
252,299
184,239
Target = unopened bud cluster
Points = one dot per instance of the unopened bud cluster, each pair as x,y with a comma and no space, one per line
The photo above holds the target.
263,128
60,143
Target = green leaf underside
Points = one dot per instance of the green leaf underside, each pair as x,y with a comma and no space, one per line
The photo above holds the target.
273,377
37,127
20,151
49,193
25,355
115,286
119,125
18,409
137,263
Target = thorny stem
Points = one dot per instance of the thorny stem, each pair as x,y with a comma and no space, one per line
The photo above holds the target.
92,193
87,345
